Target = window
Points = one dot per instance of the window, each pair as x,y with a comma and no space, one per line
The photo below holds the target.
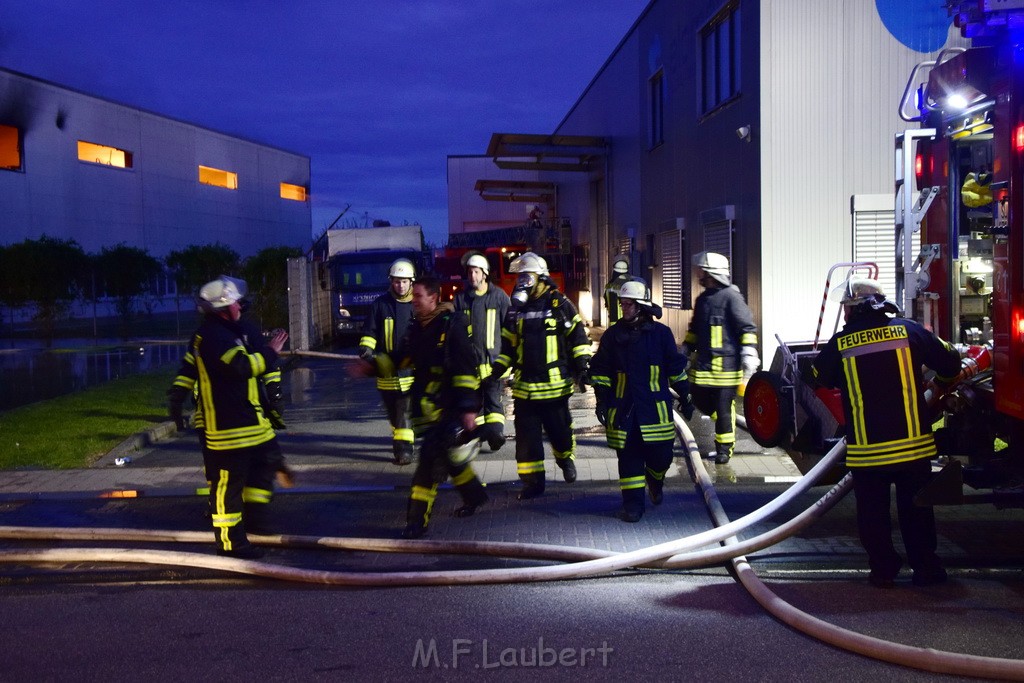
293,192
218,178
103,155
720,58
675,289
657,87
10,148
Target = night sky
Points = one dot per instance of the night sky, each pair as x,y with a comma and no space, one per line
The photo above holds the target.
377,93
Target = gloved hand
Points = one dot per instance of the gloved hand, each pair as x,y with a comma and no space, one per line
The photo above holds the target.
686,406
582,375
602,413
749,361
365,353
176,412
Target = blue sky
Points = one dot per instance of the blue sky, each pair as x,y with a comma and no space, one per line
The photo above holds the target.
376,93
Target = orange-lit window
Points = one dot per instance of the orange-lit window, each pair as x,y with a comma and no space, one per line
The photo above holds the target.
101,154
295,192
215,176
10,148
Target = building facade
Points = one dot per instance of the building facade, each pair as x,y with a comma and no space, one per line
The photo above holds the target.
80,167
762,129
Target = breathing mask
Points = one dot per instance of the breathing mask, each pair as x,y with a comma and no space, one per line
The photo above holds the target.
524,286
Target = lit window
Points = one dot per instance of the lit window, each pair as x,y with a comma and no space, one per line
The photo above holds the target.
657,85
101,154
10,148
295,192
720,55
217,177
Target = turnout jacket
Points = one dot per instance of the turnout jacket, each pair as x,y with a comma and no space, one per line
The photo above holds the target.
611,296
721,326
544,342
486,313
227,376
385,330
631,372
875,362
444,365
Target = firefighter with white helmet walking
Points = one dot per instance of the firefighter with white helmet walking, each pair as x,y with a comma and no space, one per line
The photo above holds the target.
875,361
620,276
546,345
486,305
381,345
632,371
724,337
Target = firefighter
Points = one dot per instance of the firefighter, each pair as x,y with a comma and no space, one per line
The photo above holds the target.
381,344
239,446
875,361
620,276
486,306
631,372
724,337
546,345
445,400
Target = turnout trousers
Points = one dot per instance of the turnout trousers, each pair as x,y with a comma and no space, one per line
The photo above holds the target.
433,468
532,420
241,486
871,486
642,463
718,403
396,403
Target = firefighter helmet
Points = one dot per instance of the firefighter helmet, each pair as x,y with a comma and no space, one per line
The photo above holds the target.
221,293
475,259
715,265
620,265
637,290
402,268
529,262
859,291
463,451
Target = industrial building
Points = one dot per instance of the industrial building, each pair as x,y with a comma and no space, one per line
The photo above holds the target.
762,129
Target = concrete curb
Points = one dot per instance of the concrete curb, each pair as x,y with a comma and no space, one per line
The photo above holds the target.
137,442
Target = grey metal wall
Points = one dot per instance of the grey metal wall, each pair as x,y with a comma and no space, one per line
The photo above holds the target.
158,204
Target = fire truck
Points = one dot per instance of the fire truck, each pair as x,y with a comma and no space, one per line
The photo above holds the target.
959,265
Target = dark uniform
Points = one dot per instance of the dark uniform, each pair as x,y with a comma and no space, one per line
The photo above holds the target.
239,447
875,361
546,345
385,329
721,326
632,371
486,312
446,384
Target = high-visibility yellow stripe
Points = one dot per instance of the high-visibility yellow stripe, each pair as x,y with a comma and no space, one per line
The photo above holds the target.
424,494
530,467
655,378
551,348
491,330
856,399
464,477
389,334
909,390
628,483
620,385
402,434
368,342
716,336
231,353
255,495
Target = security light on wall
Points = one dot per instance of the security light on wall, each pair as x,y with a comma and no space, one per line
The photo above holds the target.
743,133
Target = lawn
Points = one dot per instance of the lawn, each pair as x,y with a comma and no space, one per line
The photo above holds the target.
77,429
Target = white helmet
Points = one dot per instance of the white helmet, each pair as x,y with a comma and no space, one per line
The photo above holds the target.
529,263
620,265
221,293
858,290
476,260
462,453
402,268
637,290
715,265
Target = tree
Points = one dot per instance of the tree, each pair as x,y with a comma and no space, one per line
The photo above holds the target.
47,273
126,273
196,265
266,273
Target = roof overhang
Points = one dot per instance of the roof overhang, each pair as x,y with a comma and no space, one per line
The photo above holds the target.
516,191
525,152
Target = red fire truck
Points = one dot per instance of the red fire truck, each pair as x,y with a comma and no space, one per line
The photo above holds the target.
960,188
448,266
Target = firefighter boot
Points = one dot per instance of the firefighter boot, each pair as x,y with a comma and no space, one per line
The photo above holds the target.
655,487
417,516
568,467
402,451
533,485
723,451
632,505
472,491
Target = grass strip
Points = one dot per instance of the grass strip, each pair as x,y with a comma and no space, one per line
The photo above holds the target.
77,429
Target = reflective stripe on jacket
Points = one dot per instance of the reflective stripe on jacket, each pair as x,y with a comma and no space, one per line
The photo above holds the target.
385,329
721,326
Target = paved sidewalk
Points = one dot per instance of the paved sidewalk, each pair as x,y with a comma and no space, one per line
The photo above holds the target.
338,439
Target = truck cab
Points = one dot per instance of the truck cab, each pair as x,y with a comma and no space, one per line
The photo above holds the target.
357,279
